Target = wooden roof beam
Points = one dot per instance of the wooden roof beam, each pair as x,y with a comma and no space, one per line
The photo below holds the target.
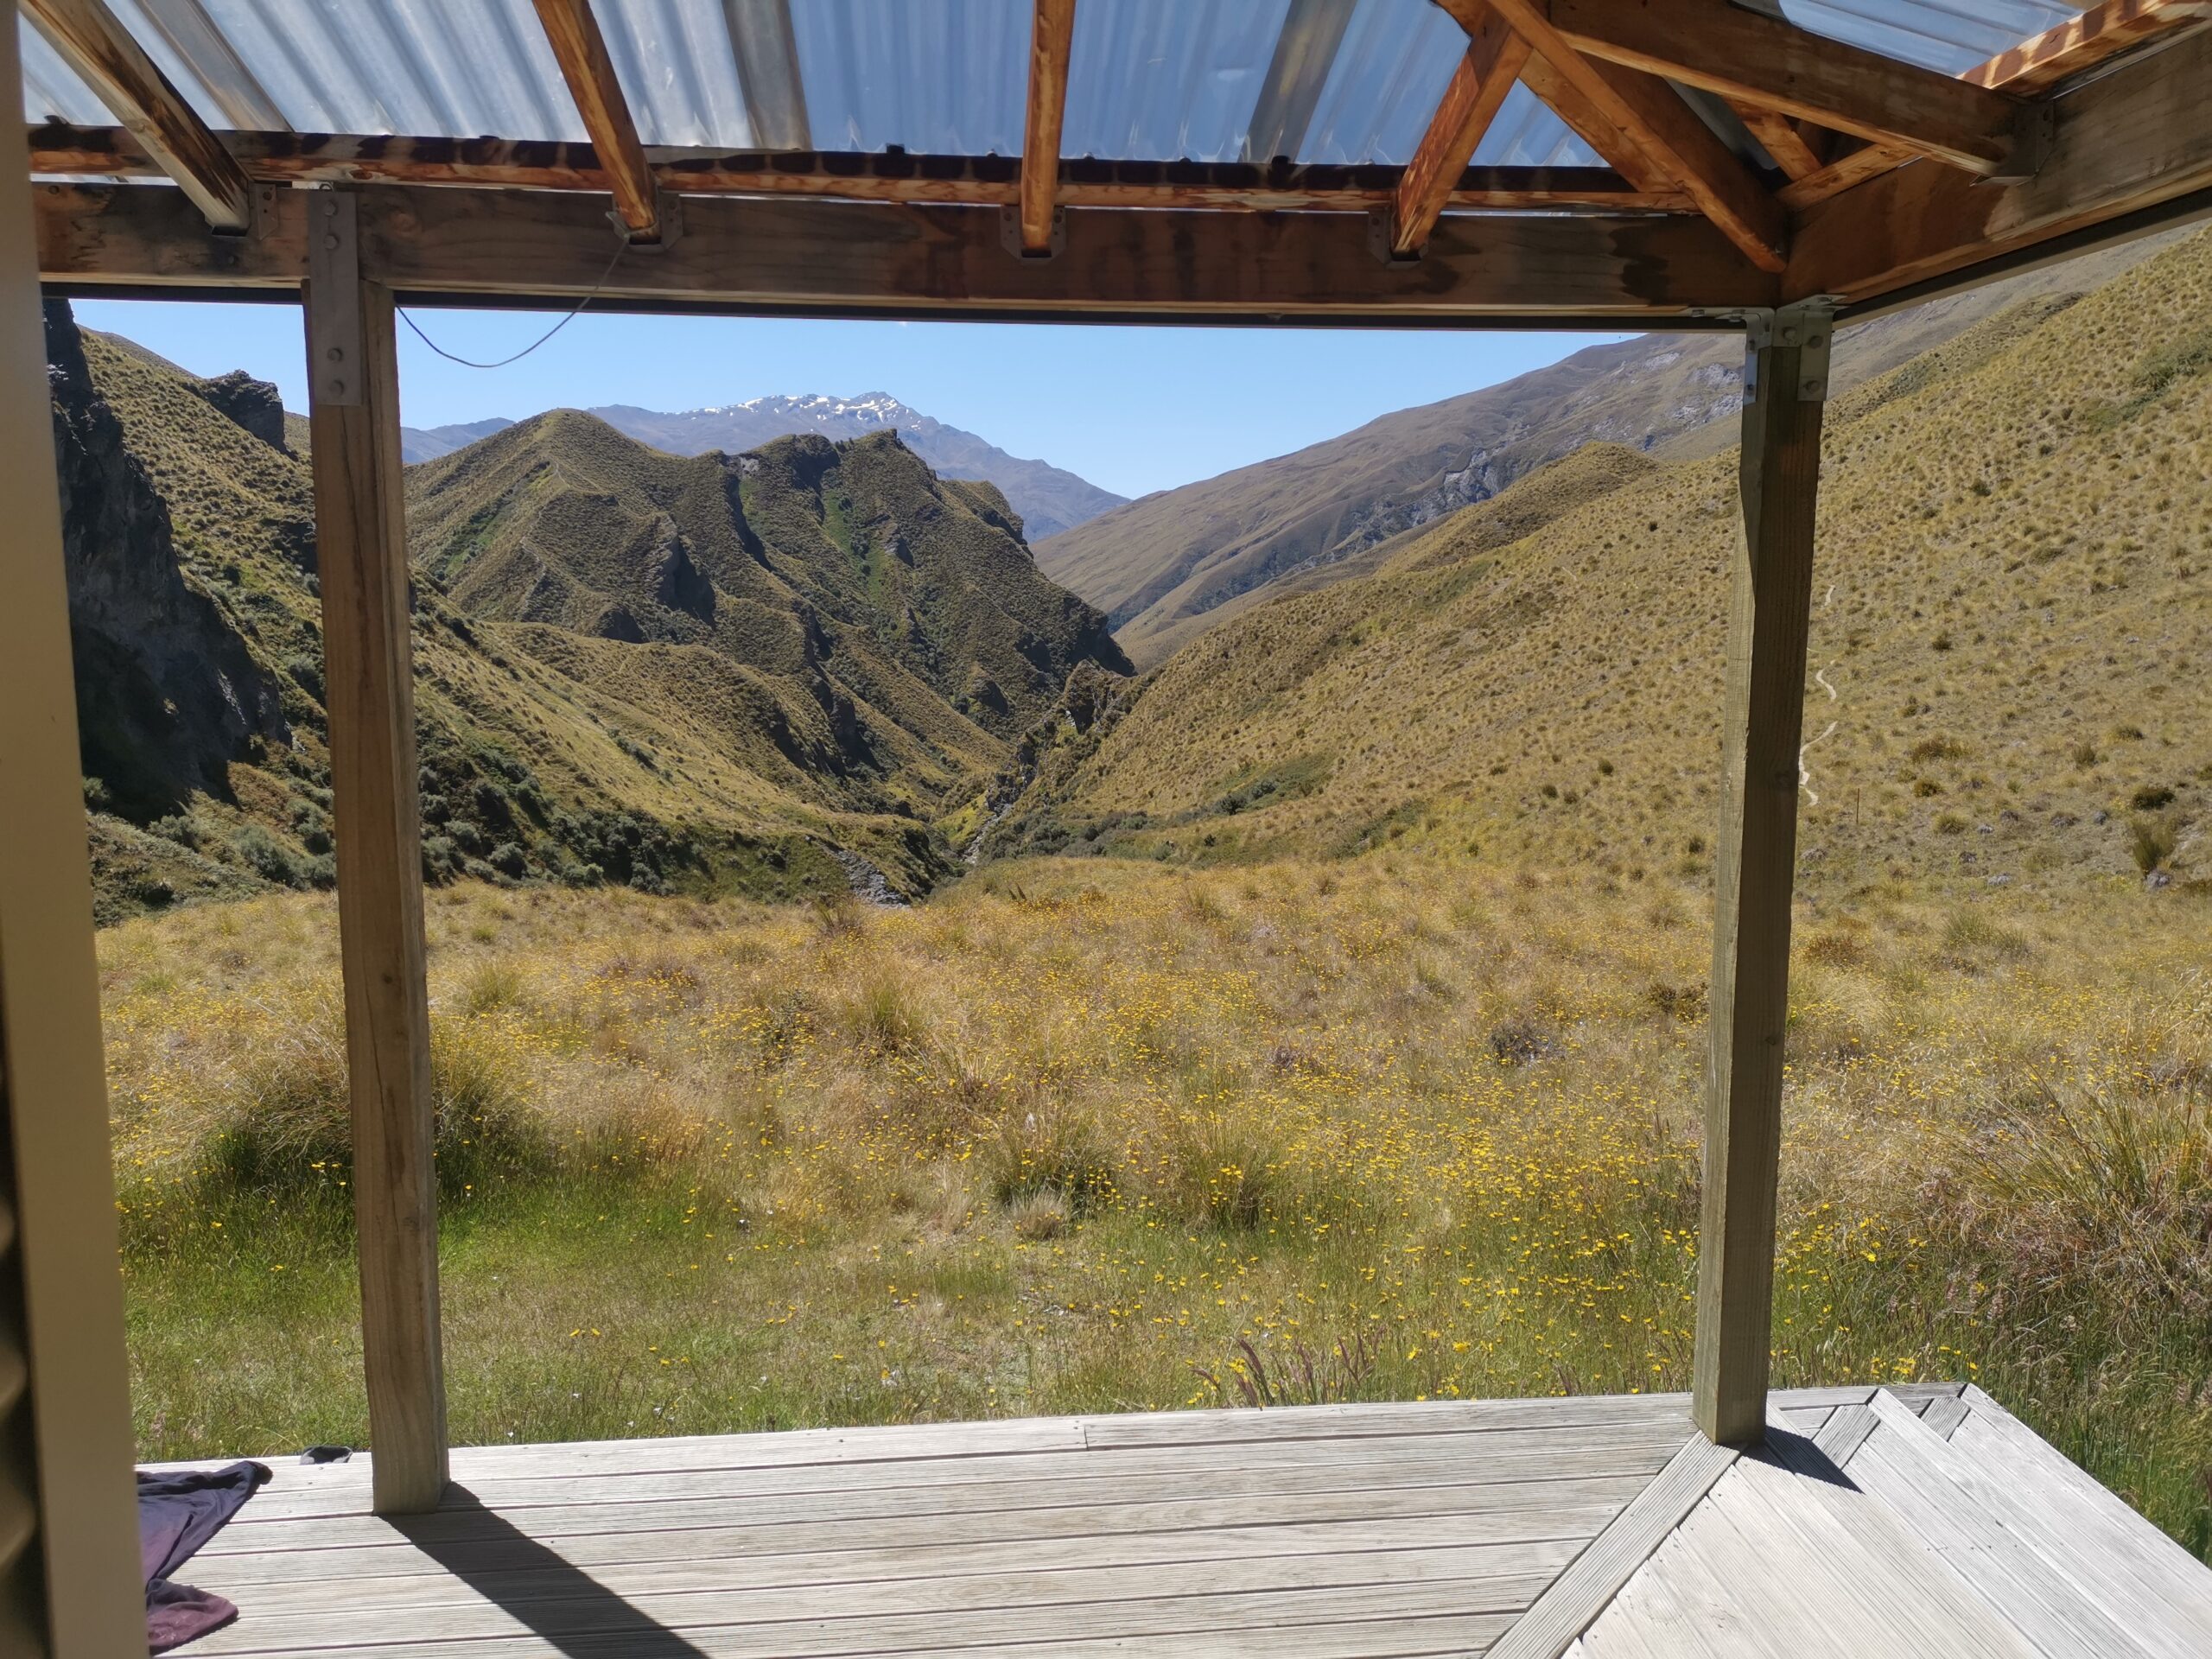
2124,144
974,181
2099,35
767,51
94,44
1648,116
1487,70
1305,52
2101,32
778,255
1742,54
1052,44
580,50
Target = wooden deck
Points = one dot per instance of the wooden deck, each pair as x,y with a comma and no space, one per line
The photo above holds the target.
1923,1520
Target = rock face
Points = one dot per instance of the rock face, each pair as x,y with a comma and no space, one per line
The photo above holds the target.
254,405
168,694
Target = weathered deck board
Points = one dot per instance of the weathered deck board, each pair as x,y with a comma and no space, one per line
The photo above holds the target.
1480,1514
1882,1535
1601,1527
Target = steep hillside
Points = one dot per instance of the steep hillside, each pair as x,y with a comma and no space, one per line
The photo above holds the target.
1170,566
2010,645
1047,499
905,606
661,758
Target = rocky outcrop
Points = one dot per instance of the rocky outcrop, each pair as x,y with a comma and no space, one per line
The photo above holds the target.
168,693
254,405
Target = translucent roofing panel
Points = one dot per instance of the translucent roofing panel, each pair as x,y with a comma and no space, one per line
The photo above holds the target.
1949,35
1152,79
1397,57
949,76
678,70
51,89
450,68
1164,80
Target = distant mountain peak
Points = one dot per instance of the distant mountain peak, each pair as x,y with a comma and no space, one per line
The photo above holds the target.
1046,500
869,408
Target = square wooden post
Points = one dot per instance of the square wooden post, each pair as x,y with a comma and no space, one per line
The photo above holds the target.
1770,610
361,556
70,1585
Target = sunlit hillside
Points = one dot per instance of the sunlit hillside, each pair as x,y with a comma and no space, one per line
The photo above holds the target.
2012,622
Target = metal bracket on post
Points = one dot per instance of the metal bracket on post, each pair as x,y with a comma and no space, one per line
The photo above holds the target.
1382,239
2034,132
1010,234
1809,325
668,225
340,367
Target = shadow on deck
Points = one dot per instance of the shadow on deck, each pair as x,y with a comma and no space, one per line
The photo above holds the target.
1921,1519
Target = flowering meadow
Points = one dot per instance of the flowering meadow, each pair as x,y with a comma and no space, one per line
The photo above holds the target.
1104,1135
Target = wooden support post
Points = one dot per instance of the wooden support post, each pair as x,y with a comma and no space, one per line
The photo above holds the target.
69,1569
1769,609
361,552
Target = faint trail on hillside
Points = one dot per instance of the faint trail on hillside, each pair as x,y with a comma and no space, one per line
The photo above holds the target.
1821,679
1804,777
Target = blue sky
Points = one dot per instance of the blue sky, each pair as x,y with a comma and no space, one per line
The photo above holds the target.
1133,410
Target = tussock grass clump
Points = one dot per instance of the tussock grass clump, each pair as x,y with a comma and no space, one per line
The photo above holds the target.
1108,1136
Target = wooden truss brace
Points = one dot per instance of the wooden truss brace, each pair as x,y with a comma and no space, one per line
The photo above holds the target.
1736,51
971,181
93,43
1634,110
2034,66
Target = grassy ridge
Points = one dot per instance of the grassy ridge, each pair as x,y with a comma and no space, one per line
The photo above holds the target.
2010,625
1073,1135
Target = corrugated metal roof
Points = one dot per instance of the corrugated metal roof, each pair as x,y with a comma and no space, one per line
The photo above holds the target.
1153,80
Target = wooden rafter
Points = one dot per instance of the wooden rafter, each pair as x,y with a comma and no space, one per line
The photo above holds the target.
2101,32
766,52
1650,117
973,181
107,59
1304,50
1487,70
2099,35
1738,52
580,50
780,255
1780,136
1051,43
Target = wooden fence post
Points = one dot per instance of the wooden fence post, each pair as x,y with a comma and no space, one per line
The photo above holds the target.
361,557
70,1583
1769,609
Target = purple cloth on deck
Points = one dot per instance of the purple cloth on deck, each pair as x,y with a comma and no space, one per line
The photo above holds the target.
178,1513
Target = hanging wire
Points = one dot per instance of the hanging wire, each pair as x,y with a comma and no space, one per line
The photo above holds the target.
467,363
